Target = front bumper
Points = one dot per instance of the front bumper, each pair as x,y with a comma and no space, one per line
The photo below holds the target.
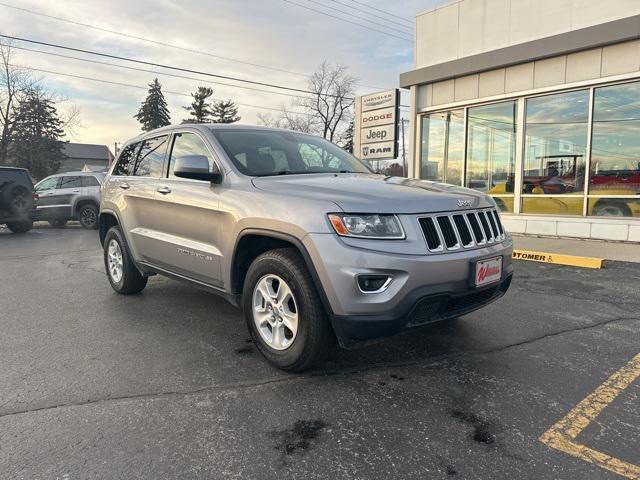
425,288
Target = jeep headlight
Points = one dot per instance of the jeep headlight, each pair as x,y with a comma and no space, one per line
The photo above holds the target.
366,225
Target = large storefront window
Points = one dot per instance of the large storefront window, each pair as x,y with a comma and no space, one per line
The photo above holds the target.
491,151
615,151
442,147
556,129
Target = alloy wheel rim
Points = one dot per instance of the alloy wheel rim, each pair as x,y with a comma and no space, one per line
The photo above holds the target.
88,216
114,261
275,312
611,212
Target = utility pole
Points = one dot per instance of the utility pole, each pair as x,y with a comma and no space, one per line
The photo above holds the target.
404,149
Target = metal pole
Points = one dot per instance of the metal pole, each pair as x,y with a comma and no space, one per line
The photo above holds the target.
404,157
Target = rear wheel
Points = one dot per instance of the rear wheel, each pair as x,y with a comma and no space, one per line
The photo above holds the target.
122,273
58,222
283,311
88,216
611,209
21,226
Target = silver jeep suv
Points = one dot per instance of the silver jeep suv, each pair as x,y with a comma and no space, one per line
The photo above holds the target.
311,243
70,196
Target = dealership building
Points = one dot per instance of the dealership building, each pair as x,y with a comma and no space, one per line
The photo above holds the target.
537,103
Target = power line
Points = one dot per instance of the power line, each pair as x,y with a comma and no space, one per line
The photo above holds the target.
164,74
122,84
355,16
369,13
136,37
348,21
156,42
169,67
380,10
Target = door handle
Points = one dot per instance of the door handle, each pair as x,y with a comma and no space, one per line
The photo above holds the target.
124,185
164,190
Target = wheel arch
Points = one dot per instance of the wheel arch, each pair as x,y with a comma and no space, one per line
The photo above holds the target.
81,202
106,220
253,242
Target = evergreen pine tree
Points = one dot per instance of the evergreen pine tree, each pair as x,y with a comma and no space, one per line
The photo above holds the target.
200,109
348,138
225,112
37,143
153,112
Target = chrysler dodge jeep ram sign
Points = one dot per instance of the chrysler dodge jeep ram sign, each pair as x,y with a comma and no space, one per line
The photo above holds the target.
377,125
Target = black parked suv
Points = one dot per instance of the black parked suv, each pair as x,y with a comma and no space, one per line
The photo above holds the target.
18,200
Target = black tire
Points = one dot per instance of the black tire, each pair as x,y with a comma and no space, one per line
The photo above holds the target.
21,226
58,222
314,334
131,281
610,208
88,216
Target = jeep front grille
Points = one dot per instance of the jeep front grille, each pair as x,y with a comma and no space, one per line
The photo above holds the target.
455,231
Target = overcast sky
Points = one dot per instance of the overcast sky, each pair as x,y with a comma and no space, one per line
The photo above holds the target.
266,32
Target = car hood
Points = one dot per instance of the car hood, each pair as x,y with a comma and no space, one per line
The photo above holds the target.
369,193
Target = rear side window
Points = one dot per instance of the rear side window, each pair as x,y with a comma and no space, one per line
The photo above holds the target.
187,144
126,160
70,182
89,181
150,160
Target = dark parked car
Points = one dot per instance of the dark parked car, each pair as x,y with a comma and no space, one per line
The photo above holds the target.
17,199
70,196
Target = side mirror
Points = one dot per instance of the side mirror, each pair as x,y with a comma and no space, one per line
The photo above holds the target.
196,167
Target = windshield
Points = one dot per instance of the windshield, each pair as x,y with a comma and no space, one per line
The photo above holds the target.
267,152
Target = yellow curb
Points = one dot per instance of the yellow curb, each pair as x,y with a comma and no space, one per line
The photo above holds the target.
558,259
562,436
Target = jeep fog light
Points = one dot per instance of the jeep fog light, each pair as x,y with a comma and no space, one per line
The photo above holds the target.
373,283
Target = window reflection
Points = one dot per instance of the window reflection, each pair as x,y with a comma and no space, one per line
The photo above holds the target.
555,143
442,147
615,147
491,147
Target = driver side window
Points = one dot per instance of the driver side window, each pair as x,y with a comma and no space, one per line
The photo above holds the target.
48,184
186,143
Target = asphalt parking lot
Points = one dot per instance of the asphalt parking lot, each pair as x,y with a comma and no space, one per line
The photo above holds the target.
166,384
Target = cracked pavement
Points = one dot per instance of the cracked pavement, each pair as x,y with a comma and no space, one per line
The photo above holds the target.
167,385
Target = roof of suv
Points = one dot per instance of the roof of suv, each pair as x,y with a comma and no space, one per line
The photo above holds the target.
79,174
13,169
212,126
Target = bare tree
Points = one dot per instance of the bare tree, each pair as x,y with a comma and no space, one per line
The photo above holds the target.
15,84
328,111
299,122
332,100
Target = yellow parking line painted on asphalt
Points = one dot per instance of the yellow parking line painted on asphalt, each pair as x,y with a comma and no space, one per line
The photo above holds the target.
563,434
558,259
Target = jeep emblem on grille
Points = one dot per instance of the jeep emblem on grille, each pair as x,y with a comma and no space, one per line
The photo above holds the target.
464,203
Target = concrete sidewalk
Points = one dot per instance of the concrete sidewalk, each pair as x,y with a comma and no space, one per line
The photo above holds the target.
624,252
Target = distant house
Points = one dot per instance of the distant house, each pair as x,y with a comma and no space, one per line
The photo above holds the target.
87,157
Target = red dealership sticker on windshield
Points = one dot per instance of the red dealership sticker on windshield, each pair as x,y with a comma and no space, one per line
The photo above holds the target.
488,271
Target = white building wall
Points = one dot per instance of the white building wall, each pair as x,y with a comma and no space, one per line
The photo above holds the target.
468,27
597,64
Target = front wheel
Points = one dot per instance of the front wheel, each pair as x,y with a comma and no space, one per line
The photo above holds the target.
122,273
88,217
283,311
